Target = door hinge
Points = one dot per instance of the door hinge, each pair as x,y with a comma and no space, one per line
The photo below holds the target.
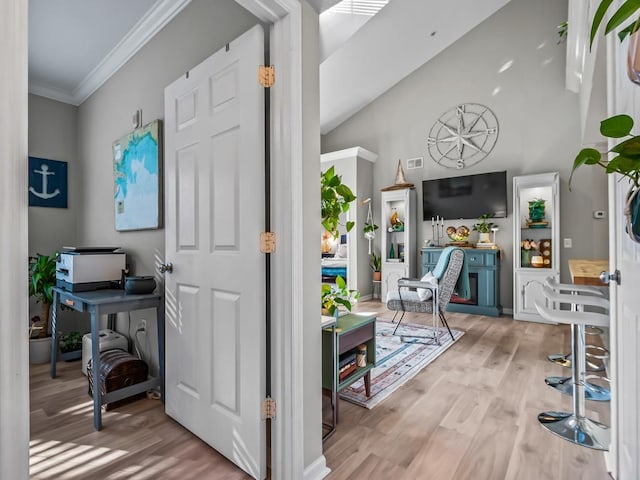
266,75
268,408
267,242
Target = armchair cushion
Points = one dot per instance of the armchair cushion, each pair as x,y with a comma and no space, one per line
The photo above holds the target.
410,302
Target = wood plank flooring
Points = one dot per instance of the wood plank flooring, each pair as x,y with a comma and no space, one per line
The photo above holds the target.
471,414
138,440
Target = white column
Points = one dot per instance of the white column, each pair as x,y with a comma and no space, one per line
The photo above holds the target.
14,357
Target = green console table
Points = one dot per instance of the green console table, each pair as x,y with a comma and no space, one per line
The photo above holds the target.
484,273
350,331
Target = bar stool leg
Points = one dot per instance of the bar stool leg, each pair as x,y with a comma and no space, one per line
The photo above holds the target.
576,427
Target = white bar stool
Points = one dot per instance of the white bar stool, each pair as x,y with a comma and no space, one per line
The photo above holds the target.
576,427
565,360
565,384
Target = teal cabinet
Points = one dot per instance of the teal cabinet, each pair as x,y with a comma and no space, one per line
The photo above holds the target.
484,279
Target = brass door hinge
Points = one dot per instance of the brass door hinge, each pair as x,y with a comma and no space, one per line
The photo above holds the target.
268,408
267,242
266,75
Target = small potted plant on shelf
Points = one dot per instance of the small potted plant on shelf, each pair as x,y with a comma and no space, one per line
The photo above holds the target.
337,296
71,346
484,228
376,266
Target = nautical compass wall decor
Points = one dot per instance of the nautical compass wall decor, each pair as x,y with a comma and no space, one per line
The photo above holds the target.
463,136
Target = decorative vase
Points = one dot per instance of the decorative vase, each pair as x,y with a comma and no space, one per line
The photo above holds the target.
632,214
525,258
536,210
633,58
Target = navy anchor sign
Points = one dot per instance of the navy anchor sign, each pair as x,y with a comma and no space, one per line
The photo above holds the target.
47,183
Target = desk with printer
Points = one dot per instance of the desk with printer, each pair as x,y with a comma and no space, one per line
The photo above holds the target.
93,280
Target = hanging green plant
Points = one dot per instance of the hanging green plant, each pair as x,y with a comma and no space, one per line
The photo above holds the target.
621,15
336,198
627,159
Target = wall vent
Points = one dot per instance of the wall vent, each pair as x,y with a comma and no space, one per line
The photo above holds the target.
413,163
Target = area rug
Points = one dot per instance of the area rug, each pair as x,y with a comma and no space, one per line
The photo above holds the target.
397,361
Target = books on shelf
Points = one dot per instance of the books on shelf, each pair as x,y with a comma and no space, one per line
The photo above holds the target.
347,370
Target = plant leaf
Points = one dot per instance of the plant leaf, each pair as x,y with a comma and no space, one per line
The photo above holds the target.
340,282
627,9
587,156
597,19
350,226
628,30
628,148
617,126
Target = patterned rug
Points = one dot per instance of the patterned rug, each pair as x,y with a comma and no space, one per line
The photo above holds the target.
397,361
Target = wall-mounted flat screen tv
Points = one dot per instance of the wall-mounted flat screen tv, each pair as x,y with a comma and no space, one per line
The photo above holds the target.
465,197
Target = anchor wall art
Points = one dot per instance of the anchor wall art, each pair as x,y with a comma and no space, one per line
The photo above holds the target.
47,183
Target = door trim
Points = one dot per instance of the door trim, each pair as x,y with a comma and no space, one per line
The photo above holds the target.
288,329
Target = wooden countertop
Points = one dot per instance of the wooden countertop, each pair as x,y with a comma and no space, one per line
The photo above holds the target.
587,271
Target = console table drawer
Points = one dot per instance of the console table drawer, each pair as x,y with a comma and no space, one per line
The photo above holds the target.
355,337
69,301
475,259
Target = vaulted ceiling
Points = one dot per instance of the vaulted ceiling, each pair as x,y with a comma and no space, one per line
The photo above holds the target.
76,45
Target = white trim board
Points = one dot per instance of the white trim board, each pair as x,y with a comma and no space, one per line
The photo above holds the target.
317,470
352,152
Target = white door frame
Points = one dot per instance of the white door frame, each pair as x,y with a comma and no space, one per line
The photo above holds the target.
288,431
288,452
14,312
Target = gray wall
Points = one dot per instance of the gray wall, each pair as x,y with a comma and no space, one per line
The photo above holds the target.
53,134
201,29
539,122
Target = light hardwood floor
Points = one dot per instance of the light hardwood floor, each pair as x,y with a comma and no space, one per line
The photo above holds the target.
471,414
138,440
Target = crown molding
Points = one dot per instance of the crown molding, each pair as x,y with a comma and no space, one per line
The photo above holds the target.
144,30
44,90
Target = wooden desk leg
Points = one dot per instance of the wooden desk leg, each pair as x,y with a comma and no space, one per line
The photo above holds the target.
95,368
367,383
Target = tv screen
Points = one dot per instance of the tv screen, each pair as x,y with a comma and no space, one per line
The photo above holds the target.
465,197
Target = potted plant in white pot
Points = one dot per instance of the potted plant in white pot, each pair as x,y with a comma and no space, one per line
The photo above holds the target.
484,228
42,279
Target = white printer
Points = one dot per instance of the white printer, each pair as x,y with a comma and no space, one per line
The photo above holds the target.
79,269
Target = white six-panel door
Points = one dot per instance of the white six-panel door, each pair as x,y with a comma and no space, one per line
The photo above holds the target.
215,300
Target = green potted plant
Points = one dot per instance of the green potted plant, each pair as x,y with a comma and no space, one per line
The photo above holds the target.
336,296
626,163
42,278
336,198
484,228
71,346
376,266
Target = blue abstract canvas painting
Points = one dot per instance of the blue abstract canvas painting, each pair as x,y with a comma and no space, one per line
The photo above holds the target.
137,172
47,183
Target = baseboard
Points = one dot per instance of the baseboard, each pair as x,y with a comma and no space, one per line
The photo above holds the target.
317,470
365,297
507,311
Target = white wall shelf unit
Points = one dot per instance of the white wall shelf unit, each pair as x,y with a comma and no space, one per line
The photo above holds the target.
544,230
398,246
